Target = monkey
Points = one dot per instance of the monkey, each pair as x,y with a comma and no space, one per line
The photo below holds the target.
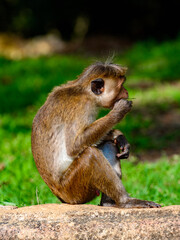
77,154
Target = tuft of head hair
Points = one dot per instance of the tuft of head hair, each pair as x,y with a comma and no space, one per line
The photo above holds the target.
100,69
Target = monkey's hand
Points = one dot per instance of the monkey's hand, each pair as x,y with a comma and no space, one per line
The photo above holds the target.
120,109
124,146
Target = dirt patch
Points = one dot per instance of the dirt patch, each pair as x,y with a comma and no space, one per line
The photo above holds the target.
155,155
163,134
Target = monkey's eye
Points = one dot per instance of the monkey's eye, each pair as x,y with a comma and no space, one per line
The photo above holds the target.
97,86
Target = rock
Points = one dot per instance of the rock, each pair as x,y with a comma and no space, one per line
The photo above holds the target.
6,207
53,221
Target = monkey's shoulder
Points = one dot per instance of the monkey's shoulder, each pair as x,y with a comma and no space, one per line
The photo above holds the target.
65,91
69,98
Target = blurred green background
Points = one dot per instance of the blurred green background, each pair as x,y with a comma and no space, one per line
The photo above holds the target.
38,53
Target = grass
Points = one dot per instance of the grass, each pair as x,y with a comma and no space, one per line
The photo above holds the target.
154,62
157,181
151,126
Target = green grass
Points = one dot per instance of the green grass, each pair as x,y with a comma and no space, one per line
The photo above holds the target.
24,85
155,62
157,181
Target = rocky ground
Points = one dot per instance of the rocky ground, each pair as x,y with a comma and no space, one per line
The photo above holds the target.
53,221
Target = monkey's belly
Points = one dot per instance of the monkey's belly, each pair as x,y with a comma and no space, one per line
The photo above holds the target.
62,162
61,159
110,151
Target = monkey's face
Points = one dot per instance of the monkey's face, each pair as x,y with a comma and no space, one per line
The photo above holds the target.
107,91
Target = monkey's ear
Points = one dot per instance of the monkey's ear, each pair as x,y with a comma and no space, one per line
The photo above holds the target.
97,86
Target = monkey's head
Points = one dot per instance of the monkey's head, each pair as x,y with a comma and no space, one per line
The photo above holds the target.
105,83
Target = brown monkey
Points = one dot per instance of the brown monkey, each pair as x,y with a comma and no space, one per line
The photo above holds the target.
67,138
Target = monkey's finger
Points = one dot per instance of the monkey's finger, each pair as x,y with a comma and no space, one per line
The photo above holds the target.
123,155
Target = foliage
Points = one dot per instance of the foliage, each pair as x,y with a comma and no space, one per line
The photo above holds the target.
24,85
134,20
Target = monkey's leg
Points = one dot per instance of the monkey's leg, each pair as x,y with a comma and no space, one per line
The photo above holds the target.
89,172
110,151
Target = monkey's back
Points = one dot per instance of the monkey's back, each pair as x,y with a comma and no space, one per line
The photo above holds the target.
48,145
61,113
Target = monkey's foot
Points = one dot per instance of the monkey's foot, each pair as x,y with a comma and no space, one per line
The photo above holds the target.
137,203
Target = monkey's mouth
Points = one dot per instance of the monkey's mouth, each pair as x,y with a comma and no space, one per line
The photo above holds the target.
115,101
121,98
118,99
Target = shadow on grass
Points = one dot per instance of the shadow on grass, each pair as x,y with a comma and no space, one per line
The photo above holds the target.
158,131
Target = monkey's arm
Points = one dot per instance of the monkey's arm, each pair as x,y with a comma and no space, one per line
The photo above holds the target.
97,130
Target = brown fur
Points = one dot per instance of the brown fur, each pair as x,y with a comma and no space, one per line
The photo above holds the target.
85,181
65,132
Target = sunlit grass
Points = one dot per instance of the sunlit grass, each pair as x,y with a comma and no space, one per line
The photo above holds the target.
159,94
159,181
